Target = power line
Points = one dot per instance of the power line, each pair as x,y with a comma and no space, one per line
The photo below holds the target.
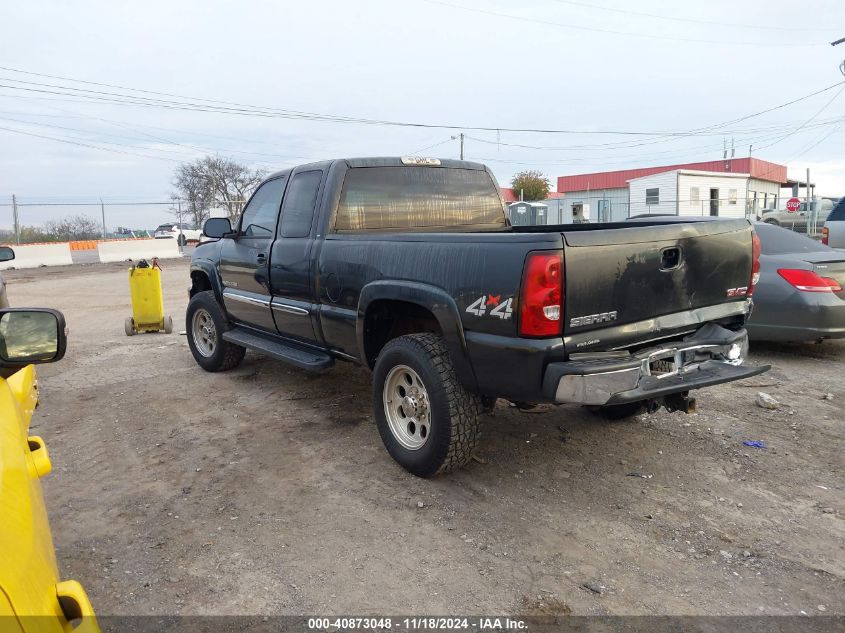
192,148
767,133
623,159
821,140
593,29
808,121
89,145
250,110
448,140
788,29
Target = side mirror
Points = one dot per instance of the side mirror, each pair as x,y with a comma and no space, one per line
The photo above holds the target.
6,253
217,227
31,335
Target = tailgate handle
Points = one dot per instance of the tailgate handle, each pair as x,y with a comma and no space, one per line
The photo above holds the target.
670,258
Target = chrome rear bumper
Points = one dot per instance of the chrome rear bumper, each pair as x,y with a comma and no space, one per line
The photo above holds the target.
710,356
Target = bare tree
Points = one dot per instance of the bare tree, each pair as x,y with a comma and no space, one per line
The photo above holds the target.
73,227
215,181
194,188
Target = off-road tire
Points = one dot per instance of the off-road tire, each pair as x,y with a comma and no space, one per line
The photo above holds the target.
226,355
454,411
618,411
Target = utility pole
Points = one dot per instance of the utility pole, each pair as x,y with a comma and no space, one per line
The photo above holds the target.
841,40
179,234
15,218
462,145
103,213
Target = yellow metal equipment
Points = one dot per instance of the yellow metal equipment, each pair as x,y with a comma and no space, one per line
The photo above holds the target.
32,599
147,303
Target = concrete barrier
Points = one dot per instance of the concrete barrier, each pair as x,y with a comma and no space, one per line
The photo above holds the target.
123,250
35,255
83,245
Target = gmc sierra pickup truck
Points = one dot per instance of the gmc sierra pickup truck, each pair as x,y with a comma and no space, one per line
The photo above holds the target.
410,267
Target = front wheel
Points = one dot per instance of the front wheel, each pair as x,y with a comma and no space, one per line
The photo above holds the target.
427,420
205,323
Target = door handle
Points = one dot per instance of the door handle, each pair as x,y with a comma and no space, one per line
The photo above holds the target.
261,258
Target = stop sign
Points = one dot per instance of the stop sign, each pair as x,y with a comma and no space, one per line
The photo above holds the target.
793,204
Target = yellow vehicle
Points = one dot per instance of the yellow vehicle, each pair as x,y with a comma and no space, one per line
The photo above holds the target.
32,598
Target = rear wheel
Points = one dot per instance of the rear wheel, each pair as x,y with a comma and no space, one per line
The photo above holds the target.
206,323
168,324
618,411
129,326
427,420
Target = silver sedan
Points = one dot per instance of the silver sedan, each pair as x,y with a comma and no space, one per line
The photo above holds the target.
800,294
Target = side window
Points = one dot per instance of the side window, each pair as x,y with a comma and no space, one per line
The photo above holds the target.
838,213
732,197
300,201
259,217
652,196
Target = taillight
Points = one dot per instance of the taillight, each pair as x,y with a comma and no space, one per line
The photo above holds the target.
825,236
541,301
756,249
808,281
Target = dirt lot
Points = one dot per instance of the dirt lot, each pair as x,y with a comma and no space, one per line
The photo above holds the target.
267,491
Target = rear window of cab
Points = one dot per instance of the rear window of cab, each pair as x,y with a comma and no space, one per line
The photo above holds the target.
413,197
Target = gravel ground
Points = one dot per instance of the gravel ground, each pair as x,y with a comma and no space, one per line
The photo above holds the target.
266,490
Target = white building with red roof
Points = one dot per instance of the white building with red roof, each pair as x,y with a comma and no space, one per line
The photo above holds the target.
738,187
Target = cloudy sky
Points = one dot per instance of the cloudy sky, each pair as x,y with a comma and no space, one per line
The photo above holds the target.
622,84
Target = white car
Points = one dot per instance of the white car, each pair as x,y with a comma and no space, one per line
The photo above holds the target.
183,233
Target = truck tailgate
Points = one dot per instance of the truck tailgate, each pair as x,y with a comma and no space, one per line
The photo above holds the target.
615,276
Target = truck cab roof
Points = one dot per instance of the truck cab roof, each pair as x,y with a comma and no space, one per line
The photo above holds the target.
382,161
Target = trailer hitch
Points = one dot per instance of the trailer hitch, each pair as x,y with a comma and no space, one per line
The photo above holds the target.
679,402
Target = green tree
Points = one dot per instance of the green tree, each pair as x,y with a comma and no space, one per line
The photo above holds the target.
533,184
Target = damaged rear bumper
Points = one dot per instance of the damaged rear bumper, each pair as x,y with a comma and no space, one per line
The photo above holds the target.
710,356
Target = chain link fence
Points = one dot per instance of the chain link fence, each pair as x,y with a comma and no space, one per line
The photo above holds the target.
26,222
808,219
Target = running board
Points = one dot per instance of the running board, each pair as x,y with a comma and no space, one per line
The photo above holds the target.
302,357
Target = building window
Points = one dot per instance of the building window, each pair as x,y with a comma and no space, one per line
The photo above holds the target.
652,196
694,195
731,196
